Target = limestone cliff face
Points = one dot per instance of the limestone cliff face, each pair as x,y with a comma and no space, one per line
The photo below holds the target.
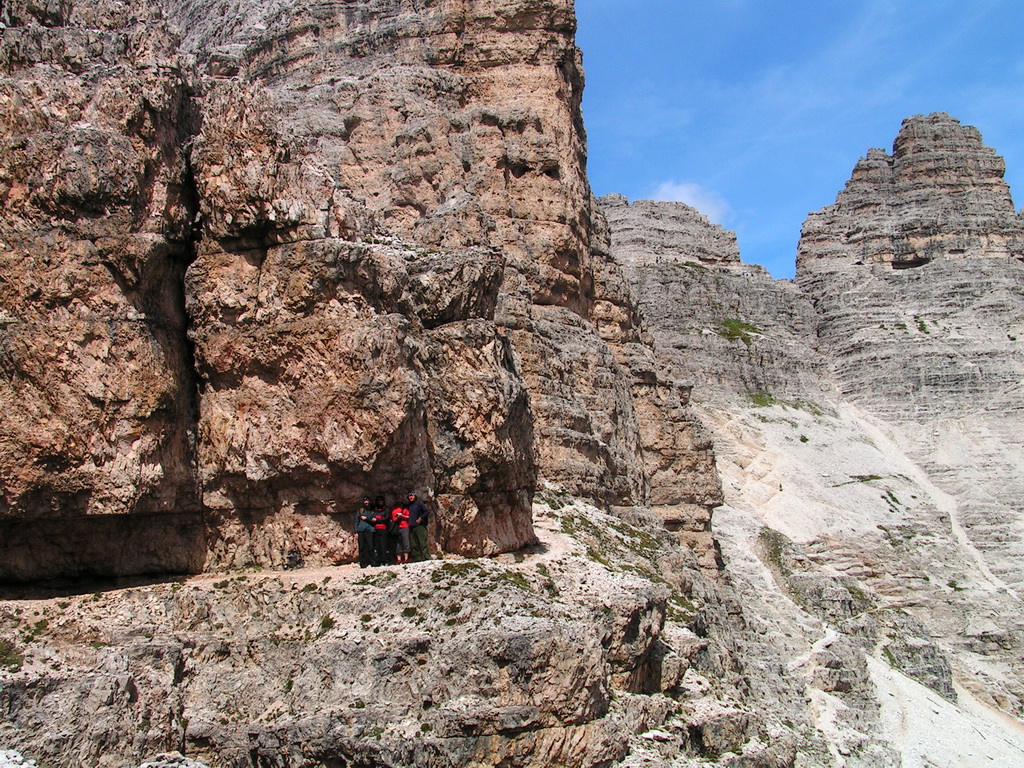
97,443
928,341
730,328
267,258
866,421
343,348
263,258
940,194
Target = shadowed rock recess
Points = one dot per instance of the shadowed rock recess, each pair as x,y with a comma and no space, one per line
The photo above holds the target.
262,258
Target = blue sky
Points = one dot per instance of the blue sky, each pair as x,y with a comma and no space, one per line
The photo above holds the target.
756,111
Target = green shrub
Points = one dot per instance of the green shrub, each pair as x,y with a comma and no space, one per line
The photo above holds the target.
762,399
735,329
10,657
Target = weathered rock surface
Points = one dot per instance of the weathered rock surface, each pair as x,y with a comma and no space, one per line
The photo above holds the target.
557,659
866,425
96,389
260,259
604,645
264,259
928,343
727,326
940,195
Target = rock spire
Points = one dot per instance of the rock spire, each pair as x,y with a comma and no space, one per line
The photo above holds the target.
940,195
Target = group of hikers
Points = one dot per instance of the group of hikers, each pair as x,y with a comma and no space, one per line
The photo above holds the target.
390,536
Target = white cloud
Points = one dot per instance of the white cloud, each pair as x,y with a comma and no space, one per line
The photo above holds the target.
707,201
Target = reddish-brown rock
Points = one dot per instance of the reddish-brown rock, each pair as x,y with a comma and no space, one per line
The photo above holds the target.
267,258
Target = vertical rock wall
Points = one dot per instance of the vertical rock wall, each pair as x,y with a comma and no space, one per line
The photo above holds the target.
267,258
97,441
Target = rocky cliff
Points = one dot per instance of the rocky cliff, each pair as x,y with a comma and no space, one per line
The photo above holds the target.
264,259
97,391
866,424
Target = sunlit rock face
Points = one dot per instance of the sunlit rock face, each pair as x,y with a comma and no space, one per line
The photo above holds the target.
920,294
97,392
722,331
268,258
395,153
728,326
939,195
868,413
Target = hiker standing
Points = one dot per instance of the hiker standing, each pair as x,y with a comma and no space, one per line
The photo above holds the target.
379,520
364,533
400,531
418,516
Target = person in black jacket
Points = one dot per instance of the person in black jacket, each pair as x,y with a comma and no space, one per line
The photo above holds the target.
364,532
418,517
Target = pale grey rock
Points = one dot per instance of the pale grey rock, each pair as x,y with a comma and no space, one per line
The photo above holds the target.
915,276
940,195
11,759
867,411
173,760
728,327
557,656
646,232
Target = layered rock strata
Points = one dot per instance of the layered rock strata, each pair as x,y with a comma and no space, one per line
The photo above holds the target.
311,252
727,326
940,194
722,331
926,339
865,418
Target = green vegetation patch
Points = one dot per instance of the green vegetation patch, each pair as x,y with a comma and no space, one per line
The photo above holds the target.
516,579
858,479
11,658
735,329
892,500
775,545
376,579
455,571
763,400
553,499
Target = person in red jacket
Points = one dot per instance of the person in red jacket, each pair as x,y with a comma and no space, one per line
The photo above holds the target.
400,526
379,519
